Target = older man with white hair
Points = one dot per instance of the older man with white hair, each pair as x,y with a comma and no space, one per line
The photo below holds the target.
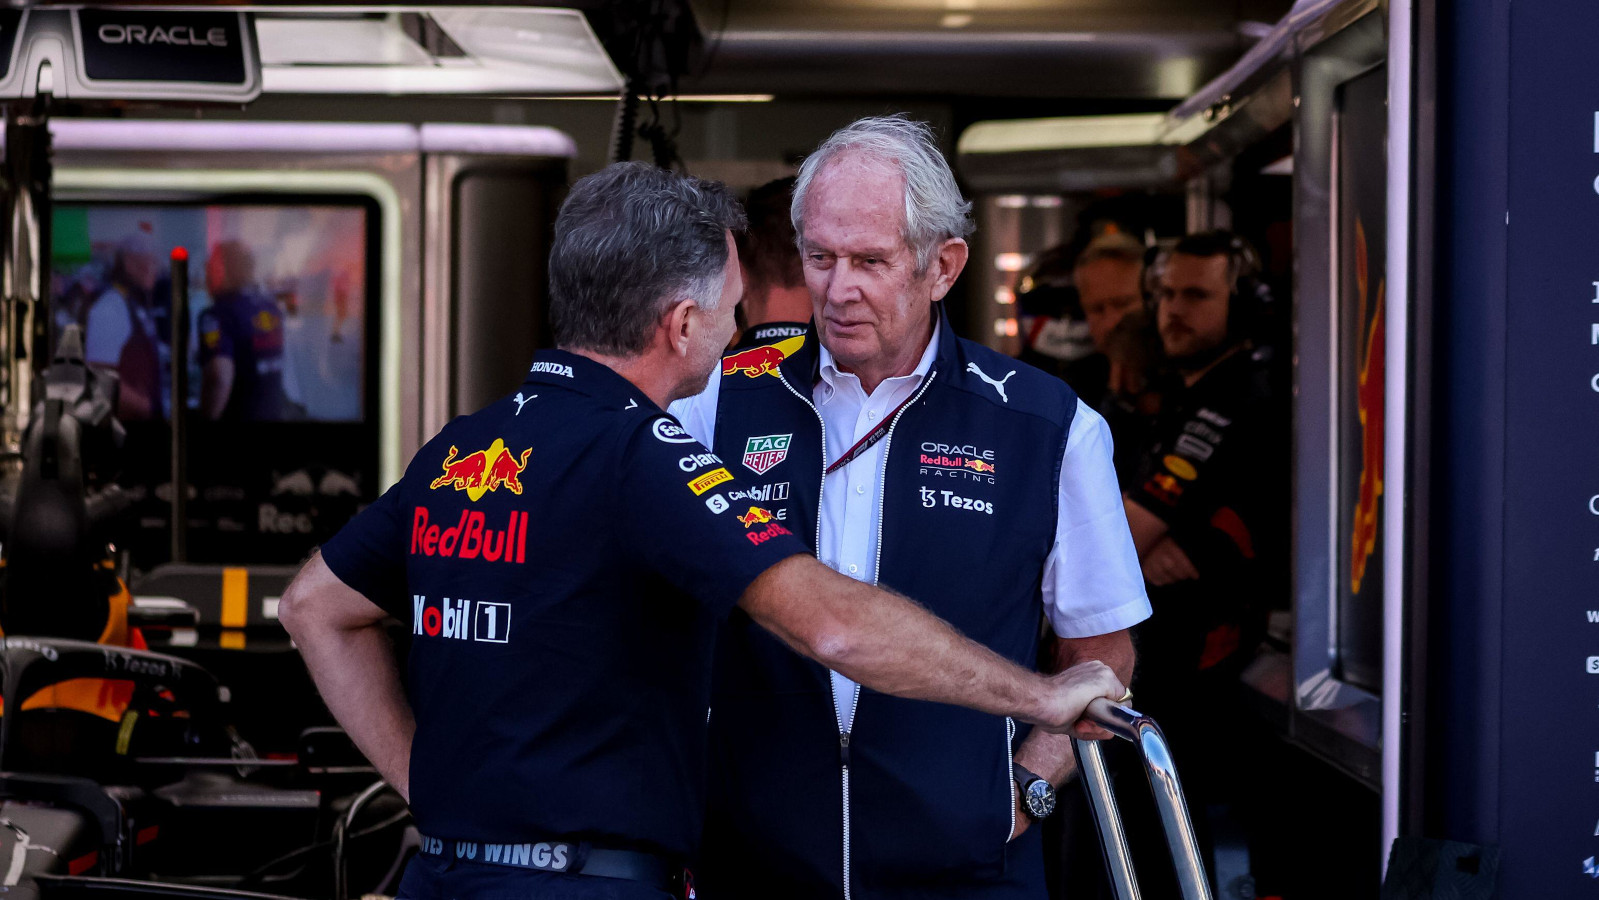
911,458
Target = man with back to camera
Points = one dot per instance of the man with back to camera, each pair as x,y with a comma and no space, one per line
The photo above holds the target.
931,465
1209,508
775,304
563,557
241,342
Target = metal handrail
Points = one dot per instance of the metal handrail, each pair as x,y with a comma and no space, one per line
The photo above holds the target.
1141,730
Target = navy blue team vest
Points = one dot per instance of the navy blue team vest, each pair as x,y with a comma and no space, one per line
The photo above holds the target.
918,801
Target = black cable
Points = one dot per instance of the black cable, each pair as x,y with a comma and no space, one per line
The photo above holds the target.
259,873
716,45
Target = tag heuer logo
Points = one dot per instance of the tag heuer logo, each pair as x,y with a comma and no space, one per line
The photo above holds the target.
762,453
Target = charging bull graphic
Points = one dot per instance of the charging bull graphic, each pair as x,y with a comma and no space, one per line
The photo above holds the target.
756,516
1371,402
978,465
482,471
758,361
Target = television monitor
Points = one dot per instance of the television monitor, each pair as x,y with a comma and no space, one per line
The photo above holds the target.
281,351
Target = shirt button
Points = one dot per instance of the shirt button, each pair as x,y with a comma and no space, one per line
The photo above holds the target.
860,488
871,414
854,568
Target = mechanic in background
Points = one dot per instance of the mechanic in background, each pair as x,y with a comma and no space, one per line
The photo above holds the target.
775,304
1209,512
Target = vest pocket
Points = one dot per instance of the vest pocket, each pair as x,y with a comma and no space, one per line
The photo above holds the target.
931,794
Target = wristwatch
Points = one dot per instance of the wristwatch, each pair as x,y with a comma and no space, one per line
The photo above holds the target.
1038,795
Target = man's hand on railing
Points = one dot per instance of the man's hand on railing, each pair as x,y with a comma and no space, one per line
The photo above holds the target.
1075,688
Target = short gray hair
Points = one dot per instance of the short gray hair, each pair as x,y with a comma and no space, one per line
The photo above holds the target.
632,240
1113,245
935,211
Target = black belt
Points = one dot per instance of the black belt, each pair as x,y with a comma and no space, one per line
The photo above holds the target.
568,857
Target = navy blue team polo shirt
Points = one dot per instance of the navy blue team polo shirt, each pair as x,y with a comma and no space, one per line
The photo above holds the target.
563,558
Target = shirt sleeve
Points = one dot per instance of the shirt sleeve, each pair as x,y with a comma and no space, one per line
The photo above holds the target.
369,553
697,414
214,339
678,517
1092,583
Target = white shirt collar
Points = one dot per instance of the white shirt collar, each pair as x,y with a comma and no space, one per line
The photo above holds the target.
833,376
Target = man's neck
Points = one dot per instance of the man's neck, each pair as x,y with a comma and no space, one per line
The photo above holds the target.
642,372
880,370
1191,376
781,304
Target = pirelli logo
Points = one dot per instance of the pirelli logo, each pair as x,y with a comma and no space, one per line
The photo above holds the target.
709,480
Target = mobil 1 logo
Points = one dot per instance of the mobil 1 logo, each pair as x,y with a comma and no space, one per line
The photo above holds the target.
461,620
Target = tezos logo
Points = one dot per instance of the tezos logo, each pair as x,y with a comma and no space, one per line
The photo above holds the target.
669,432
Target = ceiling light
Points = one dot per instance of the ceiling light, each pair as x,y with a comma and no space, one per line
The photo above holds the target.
682,98
1010,262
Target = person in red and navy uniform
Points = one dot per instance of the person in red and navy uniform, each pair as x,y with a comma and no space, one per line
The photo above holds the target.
563,558
1208,510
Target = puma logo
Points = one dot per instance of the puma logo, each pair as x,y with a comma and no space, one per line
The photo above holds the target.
996,385
521,401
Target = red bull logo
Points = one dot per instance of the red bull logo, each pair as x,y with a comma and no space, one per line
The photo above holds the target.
756,516
772,530
482,471
977,465
470,538
758,361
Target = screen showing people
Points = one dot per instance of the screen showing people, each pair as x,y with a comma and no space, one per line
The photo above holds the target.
277,305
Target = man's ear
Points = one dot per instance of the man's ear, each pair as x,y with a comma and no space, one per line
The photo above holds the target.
947,266
676,323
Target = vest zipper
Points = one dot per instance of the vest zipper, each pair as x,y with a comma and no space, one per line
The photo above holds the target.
838,714
1010,771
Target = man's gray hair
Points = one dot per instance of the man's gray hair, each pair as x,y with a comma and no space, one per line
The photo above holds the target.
1115,245
632,240
935,211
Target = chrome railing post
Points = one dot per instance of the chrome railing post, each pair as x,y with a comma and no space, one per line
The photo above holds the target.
1131,725
1102,803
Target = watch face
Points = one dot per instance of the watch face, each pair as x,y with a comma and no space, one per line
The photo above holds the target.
1040,798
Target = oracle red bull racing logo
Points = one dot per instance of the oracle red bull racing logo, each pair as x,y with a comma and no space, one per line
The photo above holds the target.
483,471
956,461
758,361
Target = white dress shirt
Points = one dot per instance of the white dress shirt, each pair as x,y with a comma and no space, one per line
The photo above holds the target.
1091,584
